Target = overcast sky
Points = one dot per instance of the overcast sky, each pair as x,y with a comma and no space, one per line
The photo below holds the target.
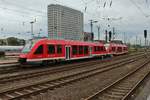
129,17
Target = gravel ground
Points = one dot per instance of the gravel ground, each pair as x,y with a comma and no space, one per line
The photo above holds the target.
84,88
4,60
143,92
20,83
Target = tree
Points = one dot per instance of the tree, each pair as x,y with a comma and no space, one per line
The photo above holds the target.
12,41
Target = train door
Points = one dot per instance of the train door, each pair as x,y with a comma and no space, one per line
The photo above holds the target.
67,53
90,49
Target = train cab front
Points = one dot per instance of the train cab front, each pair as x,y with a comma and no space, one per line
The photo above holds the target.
22,58
25,52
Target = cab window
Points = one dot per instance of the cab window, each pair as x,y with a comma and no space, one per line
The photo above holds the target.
39,50
102,48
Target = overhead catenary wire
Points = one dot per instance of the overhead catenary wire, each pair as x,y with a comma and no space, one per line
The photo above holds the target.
86,4
104,5
27,14
110,3
141,11
139,8
27,11
24,20
25,8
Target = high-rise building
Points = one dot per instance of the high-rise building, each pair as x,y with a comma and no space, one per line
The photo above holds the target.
65,23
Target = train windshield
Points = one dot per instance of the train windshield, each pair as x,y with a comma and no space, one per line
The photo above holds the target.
28,46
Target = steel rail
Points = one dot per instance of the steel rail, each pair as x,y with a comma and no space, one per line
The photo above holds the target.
125,96
16,77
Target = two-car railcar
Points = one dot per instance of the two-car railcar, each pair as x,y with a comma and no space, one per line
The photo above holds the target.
46,50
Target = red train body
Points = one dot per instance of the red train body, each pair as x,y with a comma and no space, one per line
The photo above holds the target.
116,49
49,50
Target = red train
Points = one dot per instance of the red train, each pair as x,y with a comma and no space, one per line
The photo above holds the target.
51,50
116,49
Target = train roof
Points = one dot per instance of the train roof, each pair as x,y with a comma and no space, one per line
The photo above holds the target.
67,42
115,44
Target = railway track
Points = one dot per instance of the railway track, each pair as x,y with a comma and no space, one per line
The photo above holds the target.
15,77
34,89
7,67
16,67
12,66
123,88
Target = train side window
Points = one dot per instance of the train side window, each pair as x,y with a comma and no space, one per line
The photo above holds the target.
51,49
74,50
80,49
113,48
39,50
85,49
119,49
94,48
104,49
124,48
101,48
59,49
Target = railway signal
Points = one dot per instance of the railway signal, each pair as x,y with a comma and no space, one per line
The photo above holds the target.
91,24
145,34
113,33
106,35
98,27
110,35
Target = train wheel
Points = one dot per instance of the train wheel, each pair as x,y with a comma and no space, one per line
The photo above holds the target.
45,62
22,60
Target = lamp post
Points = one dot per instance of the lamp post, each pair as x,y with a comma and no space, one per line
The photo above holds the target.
32,22
98,27
91,24
2,29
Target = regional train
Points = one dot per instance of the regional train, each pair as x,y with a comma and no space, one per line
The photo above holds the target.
45,50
